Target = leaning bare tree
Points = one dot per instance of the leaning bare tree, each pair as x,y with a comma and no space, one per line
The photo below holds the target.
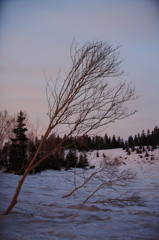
6,123
85,100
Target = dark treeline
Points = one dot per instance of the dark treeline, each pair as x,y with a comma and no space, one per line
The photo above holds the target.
17,153
144,139
87,143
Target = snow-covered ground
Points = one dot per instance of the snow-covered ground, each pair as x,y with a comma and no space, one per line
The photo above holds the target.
42,213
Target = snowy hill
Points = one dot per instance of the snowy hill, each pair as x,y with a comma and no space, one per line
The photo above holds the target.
42,213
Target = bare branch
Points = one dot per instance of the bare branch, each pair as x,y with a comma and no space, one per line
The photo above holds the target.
106,176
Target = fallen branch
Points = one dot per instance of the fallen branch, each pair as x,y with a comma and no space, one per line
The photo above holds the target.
132,200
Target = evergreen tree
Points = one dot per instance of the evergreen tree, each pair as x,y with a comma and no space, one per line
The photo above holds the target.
136,141
119,142
155,136
18,153
97,154
106,141
139,140
93,143
148,138
114,142
83,161
71,159
109,143
57,160
131,142
143,138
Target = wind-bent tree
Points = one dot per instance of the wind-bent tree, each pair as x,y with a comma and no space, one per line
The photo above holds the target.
85,100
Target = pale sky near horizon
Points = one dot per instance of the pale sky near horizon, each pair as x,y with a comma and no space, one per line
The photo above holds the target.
35,35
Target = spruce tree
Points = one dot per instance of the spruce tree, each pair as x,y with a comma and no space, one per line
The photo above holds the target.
114,142
83,161
18,154
71,159
131,142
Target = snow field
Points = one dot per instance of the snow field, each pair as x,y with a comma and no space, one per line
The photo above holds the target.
42,213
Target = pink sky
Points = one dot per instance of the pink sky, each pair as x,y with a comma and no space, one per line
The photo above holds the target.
36,36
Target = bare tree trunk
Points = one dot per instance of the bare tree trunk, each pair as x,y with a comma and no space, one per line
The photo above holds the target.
29,168
16,194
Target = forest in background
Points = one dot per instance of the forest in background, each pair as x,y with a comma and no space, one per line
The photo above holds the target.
19,144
